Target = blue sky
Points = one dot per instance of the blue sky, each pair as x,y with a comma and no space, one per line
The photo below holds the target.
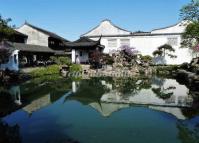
71,18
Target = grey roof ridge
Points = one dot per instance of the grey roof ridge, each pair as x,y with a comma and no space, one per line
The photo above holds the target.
167,26
51,34
99,26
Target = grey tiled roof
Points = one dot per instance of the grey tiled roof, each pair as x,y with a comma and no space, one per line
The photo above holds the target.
20,34
28,48
83,42
51,34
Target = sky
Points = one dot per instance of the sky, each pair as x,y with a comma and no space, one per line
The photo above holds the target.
72,18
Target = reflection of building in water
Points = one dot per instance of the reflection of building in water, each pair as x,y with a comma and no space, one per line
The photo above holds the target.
111,100
31,96
108,85
171,110
38,104
34,105
16,94
9,133
106,109
75,86
179,96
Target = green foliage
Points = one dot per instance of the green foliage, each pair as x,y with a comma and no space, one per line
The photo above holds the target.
75,68
190,11
157,52
184,66
161,93
165,50
4,55
61,60
146,58
107,59
166,47
6,33
6,30
190,38
50,70
141,71
169,68
188,134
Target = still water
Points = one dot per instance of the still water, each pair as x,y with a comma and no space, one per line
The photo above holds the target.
99,110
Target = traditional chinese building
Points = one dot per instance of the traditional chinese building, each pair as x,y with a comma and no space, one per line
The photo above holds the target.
83,48
113,37
31,45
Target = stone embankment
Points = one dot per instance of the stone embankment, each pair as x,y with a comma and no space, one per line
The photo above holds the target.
189,75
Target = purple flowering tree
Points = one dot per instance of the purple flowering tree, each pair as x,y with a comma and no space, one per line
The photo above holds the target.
130,51
196,49
126,56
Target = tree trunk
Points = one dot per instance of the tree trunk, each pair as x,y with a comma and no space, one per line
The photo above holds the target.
1,76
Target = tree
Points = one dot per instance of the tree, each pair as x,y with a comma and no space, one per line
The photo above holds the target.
129,54
61,60
190,11
96,59
164,50
4,55
190,38
6,33
6,30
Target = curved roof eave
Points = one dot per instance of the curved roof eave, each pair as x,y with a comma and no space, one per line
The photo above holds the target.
84,35
167,26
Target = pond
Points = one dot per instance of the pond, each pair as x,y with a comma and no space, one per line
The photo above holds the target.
99,110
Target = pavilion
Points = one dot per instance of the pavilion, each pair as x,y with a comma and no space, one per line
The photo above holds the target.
83,48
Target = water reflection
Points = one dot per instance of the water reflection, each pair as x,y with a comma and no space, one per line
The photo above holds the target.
9,134
19,103
46,110
188,133
105,95
108,96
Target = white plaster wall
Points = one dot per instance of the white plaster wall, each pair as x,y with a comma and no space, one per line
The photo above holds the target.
147,44
107,49
34,37
84,58
11,65
73,55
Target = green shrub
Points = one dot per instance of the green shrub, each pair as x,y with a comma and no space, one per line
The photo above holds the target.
75,68
107,59
184,66
146,58
61,60
50,70
142,71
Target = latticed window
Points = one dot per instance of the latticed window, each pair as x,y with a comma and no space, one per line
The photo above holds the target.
173,41
125,42
52,42
112,43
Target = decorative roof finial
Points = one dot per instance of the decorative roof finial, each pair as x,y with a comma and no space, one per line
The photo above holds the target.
26,22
